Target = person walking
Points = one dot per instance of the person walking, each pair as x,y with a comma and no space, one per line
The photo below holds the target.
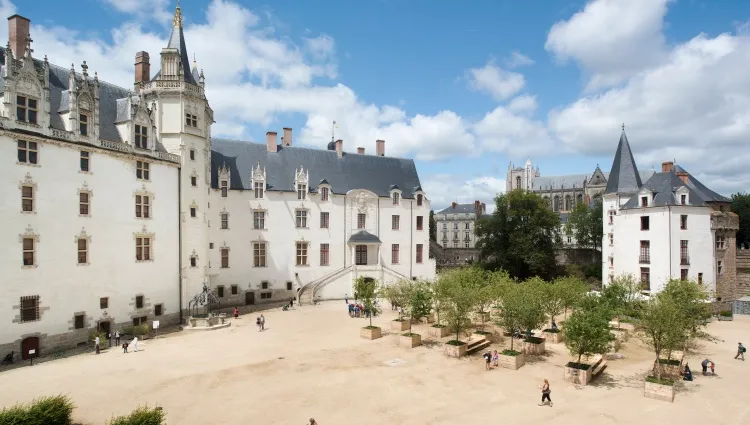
312,422
346,300
134,343
487,360
291,303
236,313
740,351
96,344
262,322
257,323
546,391
117,337
495,358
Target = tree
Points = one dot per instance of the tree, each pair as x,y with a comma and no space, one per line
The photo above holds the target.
574,289
367,291
587,330
521,236
741,207
692,300
552,299
398,294
662,323
622,295
532,313
461,296
511,308
585,224
419,300
440,293
433,226
488,292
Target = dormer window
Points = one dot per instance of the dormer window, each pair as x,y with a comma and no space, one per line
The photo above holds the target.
683,199
259,190
224,188
419,200
395,198
644,201
323,193
141,136
26,109
301,191
83,124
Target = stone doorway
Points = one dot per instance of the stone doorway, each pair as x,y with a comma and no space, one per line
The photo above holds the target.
105,326
30,343
249,298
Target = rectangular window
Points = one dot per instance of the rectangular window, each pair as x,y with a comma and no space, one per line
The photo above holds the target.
27,198
139,301
645,254
324,254
224,258
644,201
467,237
301,218
264,285
396,196
26,109
683,274
420,222
684,257
224,188
193,261
301,191
361,220
83,203
419,253
360,255
192,154
683,222
324,194
259,190
700,278
158,310
645,223
720,241
193,212
301,253
289,286
224,220
143,249
141,137
103,303
324,220
85,158
28,152
259,254
191,120
79,321
28,252
611,261
611,239
683,199
645,278
235,289
611,215
30,308
395,222
394,253
719,267
467,226
259,219
137,321
467,244
83,124
142,170
142,206
83,251
220,291
266,295
419,200
193,181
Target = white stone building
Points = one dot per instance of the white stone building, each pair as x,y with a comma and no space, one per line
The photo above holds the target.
456,225
118,206
670,226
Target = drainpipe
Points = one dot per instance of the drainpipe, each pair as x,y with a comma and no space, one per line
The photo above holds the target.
669,209
411,237
179,238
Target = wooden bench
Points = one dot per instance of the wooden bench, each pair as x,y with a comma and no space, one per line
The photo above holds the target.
477,345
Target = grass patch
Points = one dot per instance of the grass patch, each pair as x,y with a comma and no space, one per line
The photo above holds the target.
579,366
725,313
552,331
512,353
439,326
533,340
663,381
371,327
669,362
456,343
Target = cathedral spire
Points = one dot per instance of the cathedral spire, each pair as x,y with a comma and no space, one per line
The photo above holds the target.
624,177
177,21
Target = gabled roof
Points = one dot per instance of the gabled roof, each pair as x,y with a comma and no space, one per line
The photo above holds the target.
665,185
363,236
624,177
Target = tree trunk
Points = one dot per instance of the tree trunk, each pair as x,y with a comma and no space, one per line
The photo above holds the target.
579,358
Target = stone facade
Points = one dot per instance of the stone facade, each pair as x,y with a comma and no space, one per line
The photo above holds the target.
743,272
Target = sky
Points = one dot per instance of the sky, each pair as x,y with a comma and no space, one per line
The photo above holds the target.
463,88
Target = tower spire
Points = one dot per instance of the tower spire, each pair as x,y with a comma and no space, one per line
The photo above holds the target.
177,21
624,176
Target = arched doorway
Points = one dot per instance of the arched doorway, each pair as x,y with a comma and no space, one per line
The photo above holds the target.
28,344
105,326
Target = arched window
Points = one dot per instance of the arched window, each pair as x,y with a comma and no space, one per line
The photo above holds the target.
518,182
549,201
568,203
558,201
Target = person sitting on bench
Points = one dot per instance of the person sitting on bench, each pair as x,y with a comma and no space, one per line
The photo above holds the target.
687,374
8,358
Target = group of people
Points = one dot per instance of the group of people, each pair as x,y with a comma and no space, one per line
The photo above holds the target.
260,322
491,359
687,374
110,336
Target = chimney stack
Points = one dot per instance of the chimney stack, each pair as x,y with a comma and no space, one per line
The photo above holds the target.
287,140
683,176
380,147
18,30
271,141
361,150
667,166
340,148
142,70
453,205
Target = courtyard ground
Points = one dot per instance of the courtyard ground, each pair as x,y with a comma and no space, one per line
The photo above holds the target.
310,362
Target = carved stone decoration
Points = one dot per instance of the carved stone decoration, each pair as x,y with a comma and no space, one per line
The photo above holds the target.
82,235
361,202
301,177
28,180
258,173
29,233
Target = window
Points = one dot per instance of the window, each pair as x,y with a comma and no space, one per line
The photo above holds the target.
683,222
683,199
394,253
611,217
301,218
158,310
191,120
259,220
264,284
419,200
85,158
28,251
645,256
234,289
683,274
83,251
684,258
611,239
395,222
455,225
324,254
611,261
193,261
467,244
143,249
193,212
103,303
645,224
289,286
395,198
301,253
78,321
30,308
27,198
361,220
83,124
193,181
570,240
301,191
225,258
141,136
324,194
700,278
142,206
468,226
259,254
420,223
360,255
719,267
142,170
139,301
445,226
83,203
419,253
28,152
324,220
224,188
258,190
210,245
140,320
224,220
192,154
518,182
26,109
645,278
467,236
220,291
720,240
266,295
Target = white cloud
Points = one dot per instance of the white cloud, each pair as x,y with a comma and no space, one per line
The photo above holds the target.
611,39
443,189
503,130
497,82
523,104
156,9
517,60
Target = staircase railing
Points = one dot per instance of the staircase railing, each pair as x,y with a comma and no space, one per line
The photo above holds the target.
313,286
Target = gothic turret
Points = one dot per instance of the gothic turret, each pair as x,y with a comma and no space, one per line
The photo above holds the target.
175,64
624,177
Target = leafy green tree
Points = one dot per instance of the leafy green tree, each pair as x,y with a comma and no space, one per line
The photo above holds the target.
587,330
488,292
622,296
440,292
521,236
585,224
433,226
398,294
461,296
532,313
662,325
573,290
419,300
552,299
511,306
741,207
367,291
692,299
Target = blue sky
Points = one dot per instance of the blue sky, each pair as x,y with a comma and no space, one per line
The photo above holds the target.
463,89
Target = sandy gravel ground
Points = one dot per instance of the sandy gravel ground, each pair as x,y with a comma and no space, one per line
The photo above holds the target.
311,362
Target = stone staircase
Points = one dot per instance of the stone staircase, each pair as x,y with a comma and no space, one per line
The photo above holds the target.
475,345
307,293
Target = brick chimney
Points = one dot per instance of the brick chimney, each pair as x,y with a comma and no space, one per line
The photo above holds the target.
340,148
683,176
361,150
271,141
380,147
287,140
667,166
142,69
18,30
453,205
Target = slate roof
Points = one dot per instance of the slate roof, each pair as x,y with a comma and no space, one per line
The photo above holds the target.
363,236
460,209
352,171
624,177
560,182
177,41
664,186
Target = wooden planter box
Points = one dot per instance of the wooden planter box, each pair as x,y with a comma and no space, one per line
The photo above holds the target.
411,341
370,333
456,350
659,392
511,362
533,349
578,376
438,333
726,319
399,326
553,337
623,326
